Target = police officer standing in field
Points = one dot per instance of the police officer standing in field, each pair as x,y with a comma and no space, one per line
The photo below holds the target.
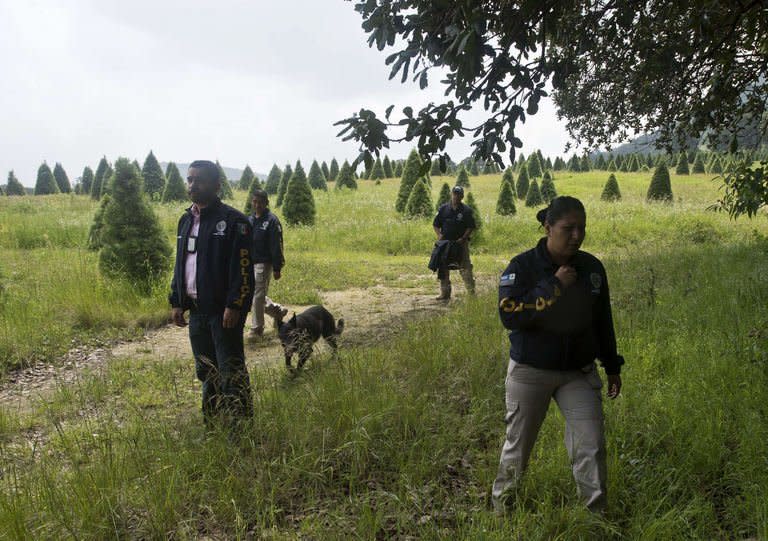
455,222
212,279
268,261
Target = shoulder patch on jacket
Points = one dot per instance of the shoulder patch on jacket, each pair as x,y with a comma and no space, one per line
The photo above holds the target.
242,229
507,279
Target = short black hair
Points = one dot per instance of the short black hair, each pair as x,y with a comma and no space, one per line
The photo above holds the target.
260,194
211,170
559,207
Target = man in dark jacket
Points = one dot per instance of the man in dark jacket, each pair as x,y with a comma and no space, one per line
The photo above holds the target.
212,279
268,260
455,222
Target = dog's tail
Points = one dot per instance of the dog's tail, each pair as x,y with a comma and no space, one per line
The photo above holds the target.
339,326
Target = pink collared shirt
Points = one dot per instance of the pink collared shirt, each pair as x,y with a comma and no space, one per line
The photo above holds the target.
190,263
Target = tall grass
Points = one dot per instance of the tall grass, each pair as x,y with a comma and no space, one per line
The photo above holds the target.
401,440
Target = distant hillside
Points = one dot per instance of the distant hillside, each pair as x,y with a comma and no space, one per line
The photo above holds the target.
232,173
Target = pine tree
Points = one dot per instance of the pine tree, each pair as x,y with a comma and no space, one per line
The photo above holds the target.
533,197
98,178
154,179
299,204
660,188
548,164
505,205
334,171
559,164
682,164
377,171
473,169
273,180
733,146
326,171
488,168
462,179
574,165
105,184
97,227
316,178
612,165
14,187
86,180
600,163
611,190
521,161
255,185
475,212
509,176
444,196
534,166
649,161
419,203
548,191
175,189
346,177
45,184
435,170
246,179
134,245
225,192
387,165
522,182
62,180
398,169
692,156
698,164
715,166
625,163
411,173
287,174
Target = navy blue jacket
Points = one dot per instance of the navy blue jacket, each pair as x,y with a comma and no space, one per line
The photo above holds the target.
552,327
453,223
223,261
267,245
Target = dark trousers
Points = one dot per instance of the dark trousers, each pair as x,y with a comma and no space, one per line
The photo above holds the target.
220,365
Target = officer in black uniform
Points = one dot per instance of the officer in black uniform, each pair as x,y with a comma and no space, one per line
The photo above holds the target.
212,279
268,261
456,222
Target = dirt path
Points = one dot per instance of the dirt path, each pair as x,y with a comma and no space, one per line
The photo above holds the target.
368,314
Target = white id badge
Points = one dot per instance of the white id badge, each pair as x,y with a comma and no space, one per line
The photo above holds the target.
191,245
259,268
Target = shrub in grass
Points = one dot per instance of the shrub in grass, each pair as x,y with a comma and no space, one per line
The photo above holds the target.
534,166
316,178
273,180
14,187
419,203
175,189
226,187
326,171
154,179
444,196
611,190
548,191
473,169
398,169
94,233
682,164
377,171
346,177
470,202
533,197
435,169
299,204
411,174
62,180
45,184
284,179
660,188
522,182
387,166
509,176
134,246
698,164
462,179
86,180
246,179
505,205
334,169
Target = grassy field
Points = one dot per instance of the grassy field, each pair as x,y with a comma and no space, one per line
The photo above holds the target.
398,439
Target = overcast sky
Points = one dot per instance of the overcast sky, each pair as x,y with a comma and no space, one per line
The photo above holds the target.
242,81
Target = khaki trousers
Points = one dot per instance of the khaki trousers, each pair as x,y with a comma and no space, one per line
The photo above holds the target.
262,273
577,393
465,270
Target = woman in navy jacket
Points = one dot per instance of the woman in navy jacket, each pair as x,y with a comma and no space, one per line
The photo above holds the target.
554,301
